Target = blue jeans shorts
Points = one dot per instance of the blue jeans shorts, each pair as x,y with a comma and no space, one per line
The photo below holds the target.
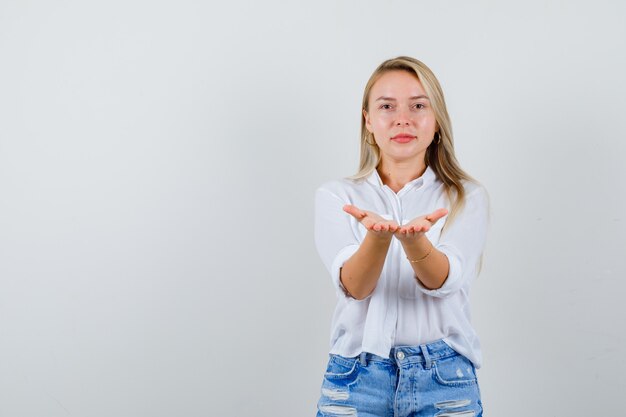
426,380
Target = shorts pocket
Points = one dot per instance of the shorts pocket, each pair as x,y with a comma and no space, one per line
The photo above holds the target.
341,369
455,371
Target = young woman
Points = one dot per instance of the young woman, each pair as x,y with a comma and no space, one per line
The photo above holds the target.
402,240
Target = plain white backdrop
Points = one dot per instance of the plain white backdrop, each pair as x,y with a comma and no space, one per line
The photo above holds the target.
158,161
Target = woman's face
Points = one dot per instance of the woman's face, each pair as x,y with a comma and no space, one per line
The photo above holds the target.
400,117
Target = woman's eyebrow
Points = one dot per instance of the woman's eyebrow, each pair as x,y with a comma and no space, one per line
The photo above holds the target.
383,98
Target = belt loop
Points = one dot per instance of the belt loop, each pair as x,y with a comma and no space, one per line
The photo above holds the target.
429,362
363,358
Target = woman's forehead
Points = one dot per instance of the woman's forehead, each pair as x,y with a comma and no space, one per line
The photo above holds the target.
397,84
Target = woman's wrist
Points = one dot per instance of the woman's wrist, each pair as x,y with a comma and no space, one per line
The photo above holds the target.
418,250
380,237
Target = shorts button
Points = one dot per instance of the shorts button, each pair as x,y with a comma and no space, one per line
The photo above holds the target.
400,355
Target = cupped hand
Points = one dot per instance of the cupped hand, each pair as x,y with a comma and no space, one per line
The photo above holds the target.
419,225
372,221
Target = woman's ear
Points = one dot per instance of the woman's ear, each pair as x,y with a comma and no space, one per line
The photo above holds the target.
368,126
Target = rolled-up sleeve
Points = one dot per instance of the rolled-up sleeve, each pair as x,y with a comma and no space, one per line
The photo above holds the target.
463,242
334,237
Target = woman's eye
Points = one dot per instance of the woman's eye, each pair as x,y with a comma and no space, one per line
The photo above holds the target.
419,106
385,106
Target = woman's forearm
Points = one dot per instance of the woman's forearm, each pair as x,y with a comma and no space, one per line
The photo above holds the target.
431,266
359,274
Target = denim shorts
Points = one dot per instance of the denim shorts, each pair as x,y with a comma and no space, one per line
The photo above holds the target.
426,380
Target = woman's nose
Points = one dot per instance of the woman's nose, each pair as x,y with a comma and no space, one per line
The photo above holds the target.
403,119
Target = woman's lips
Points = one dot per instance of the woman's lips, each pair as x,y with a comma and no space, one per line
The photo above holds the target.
403,138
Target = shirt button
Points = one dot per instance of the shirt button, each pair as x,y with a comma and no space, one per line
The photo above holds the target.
400,355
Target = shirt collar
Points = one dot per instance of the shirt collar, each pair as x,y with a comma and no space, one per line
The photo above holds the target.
427,178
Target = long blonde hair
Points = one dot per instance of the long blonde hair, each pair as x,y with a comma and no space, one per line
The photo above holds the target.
440,154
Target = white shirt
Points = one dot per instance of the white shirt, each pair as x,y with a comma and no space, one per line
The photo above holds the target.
400,311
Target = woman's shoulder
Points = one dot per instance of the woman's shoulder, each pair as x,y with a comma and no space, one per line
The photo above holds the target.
472,186
475,194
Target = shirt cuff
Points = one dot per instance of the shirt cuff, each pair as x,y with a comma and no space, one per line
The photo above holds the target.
335,269
454,280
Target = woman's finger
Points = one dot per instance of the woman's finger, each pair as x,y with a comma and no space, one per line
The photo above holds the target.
354,211
436,215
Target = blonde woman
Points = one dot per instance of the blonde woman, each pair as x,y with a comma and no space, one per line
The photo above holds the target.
402,240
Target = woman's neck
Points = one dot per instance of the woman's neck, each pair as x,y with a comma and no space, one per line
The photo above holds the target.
396,175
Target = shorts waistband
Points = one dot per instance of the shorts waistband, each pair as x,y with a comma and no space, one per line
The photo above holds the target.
426,353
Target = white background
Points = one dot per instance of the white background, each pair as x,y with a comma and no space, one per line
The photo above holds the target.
158,161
